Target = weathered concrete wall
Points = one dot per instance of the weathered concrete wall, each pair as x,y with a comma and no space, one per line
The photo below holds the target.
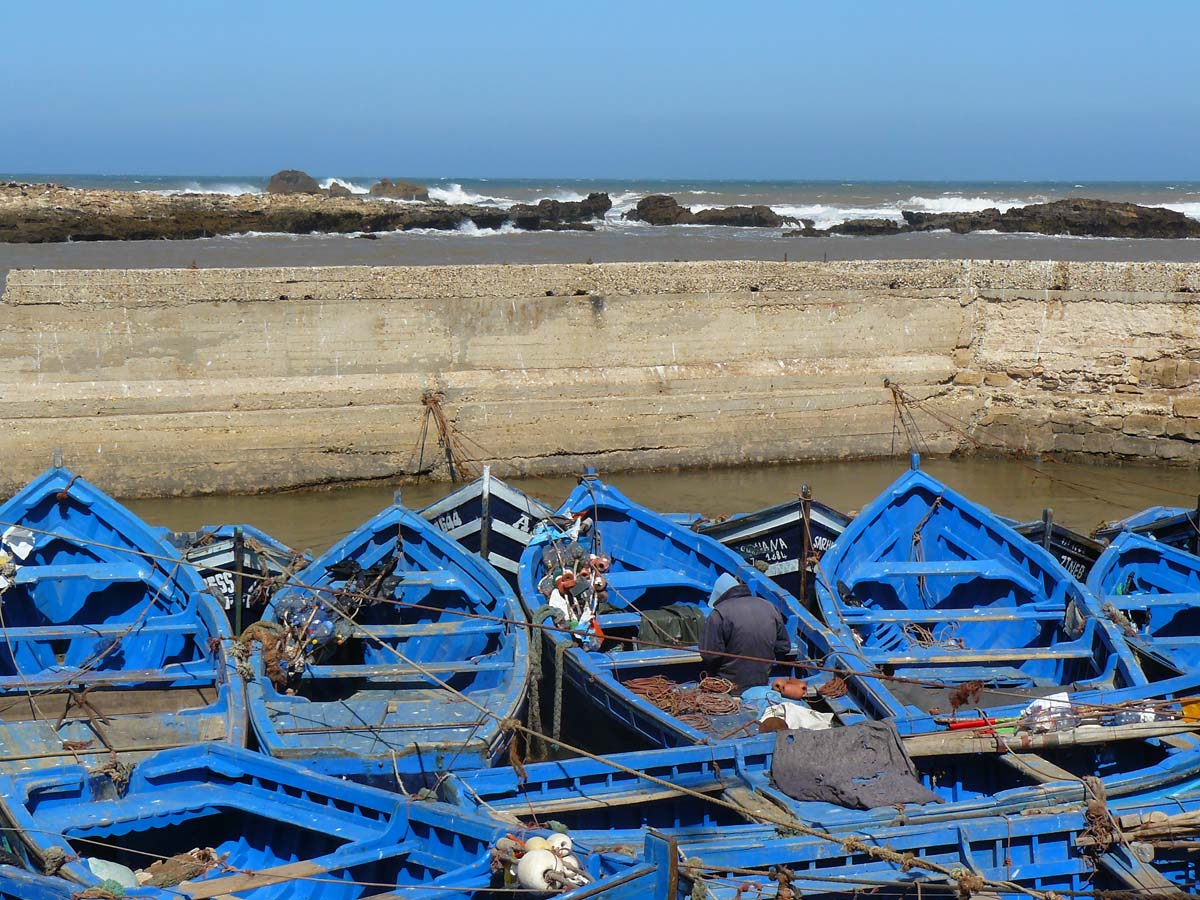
180,381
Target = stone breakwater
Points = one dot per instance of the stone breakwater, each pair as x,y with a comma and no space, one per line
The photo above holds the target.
157,382
50,213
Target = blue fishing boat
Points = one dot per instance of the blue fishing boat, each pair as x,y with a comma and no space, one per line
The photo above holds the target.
1151,590
394,655
776,540
1091,848
490,518
616,799
632,653
240,565
111,648
954,610
217,822
1174,525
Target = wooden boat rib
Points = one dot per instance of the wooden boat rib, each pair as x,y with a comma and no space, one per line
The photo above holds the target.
362,629
108,650
656,563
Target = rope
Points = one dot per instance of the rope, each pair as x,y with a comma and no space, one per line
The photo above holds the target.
1015,453
805,663
851,844
692,706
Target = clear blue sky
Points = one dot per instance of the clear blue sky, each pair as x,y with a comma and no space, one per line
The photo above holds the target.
884,90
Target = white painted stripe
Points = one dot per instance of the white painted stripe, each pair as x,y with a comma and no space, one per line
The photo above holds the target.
463,530
502,562
453,500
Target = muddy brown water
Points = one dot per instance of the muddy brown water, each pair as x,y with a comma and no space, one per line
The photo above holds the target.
1081,495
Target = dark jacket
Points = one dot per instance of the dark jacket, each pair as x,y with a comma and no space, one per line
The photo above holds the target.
745,625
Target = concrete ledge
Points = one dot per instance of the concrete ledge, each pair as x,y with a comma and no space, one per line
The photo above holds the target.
219,380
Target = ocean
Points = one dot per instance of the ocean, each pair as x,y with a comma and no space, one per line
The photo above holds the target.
824,202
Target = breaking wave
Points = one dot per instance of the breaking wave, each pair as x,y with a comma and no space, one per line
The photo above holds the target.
455,193
194,187
353,188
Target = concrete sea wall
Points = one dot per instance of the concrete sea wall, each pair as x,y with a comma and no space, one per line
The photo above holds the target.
221,380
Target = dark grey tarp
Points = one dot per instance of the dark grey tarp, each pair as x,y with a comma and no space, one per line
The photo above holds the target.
679,624
860,766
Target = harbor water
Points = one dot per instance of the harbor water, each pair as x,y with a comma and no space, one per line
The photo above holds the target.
1081,495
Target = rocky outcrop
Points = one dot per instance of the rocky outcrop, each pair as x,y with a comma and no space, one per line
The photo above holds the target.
1076,216
869,227
743,217
661,209
337,189
50,213
559,214
292,181
399,190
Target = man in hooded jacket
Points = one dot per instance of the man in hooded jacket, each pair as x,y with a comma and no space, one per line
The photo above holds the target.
742,625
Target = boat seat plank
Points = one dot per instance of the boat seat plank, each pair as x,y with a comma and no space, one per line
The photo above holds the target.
106,571
405,672
434,578
961,674
58,632
869,615
1147,601
650,656
608,621
979,568
458,626
941,656
199,673
1180,640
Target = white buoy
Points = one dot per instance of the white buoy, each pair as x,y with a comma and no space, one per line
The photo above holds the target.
559,842
537,842
533,868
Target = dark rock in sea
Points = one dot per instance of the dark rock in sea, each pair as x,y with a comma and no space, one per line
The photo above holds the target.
661,209
399,190
743,217
1076,216
337,189
960,223
556,214
867,227
292,181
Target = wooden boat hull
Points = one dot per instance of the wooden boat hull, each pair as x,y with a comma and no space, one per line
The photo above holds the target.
950,608
296,831
232,561
424,674
777,538
611,801
490,518
657,562
1152,590
111,648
